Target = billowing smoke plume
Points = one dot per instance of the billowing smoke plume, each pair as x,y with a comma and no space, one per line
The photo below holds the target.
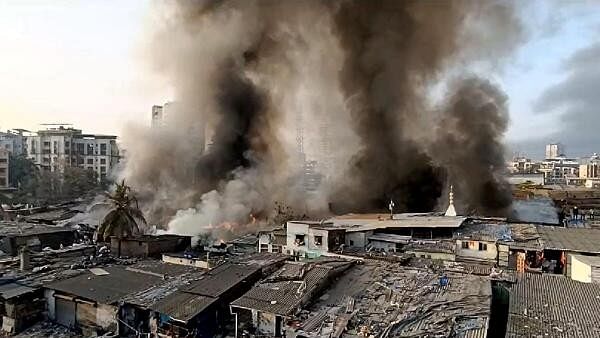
469,145
263,86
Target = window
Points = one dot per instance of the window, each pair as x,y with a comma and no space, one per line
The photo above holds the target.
2,170
80,160
319,240
102,169
2,181
351,243
264,247
80,147
102,161
299,240
90,149
55,147
3,160
90,161
47,144
482,246
465,245
103,149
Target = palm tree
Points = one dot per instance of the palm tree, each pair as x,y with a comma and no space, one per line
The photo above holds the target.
122,220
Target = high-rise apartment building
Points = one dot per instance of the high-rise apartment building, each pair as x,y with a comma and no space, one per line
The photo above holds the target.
4,168
554,150
56,148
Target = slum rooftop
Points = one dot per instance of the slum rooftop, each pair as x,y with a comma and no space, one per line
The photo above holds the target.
543,305
13,228
286,290
385,299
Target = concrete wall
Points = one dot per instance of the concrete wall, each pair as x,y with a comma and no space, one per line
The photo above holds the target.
50,305
266,244
186,261
580,271
473,252
312,245
106,317
357,239
141,247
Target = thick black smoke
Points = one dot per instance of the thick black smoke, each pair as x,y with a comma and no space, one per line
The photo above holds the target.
389,54
469,146
247,69
239,107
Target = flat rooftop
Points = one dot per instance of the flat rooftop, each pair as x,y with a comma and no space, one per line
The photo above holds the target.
366,222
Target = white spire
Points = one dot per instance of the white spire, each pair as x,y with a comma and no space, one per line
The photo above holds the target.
450,211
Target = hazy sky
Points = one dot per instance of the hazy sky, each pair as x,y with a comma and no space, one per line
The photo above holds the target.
81,62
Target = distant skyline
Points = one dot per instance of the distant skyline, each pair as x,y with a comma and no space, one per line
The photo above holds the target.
82,62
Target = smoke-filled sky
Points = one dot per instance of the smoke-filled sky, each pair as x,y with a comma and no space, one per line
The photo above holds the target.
81,62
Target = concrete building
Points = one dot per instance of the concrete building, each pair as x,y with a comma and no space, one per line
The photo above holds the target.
556,170
554,150
149,246
481,242
589,170
157,117
312,239
56,148
585,269
13,141
272,241
4,168
364,232
523,165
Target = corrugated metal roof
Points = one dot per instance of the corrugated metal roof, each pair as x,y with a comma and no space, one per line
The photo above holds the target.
222,278
570,239
11,290
553,306
105,289
183,306
283,297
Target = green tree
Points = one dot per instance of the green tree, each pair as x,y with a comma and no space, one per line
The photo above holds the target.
22,170
122,220
78,182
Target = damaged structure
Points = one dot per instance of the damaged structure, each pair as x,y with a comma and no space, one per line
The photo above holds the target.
267,307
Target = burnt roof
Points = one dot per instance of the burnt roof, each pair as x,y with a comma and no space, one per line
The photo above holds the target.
553,306
222,278
105,289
